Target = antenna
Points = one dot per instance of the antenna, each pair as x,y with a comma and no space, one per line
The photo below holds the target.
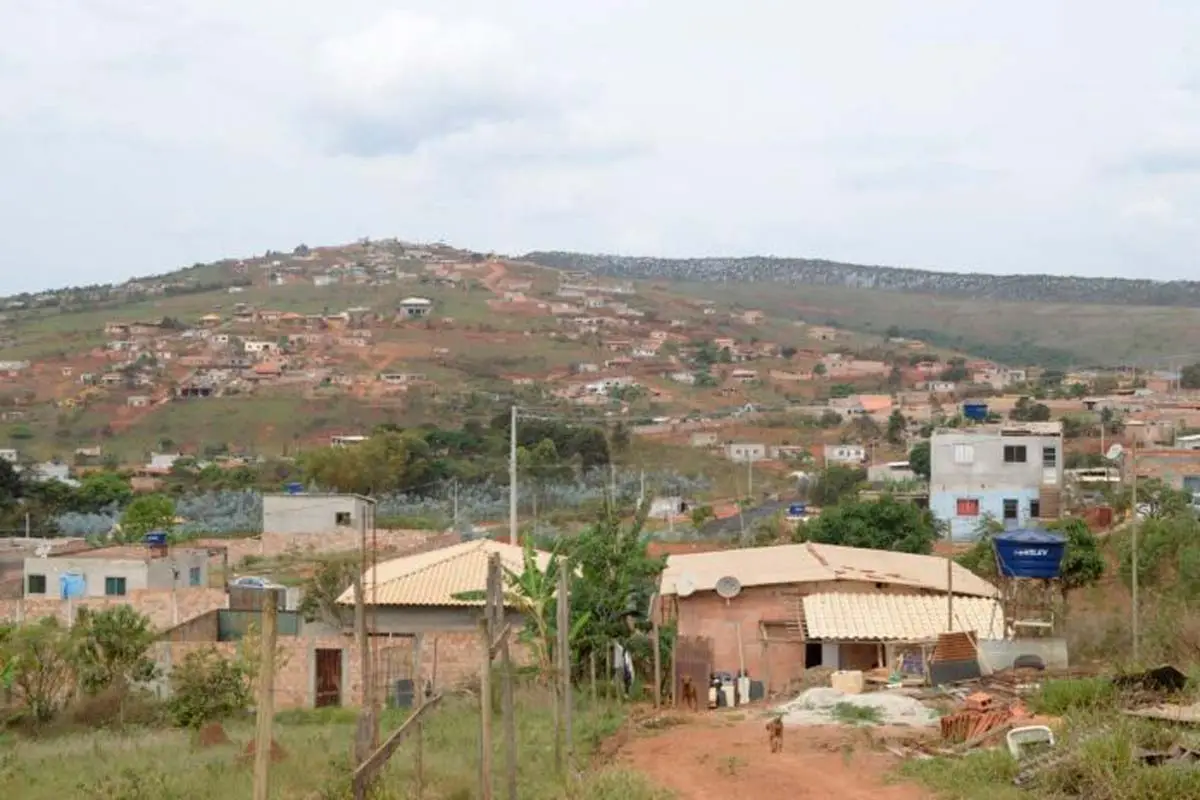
1114,452
729,587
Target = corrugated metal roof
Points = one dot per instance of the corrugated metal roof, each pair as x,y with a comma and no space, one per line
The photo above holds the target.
897,617
807,563
433,578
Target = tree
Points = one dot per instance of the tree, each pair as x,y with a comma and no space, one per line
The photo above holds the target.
701,515
819,370
919,460
38,656
1083,564
319,593
112,648
884,524
12,487
865,429
787,351
830,419
956,370
896,426
1027,411
207,686
99,490
836,483
1189,377
152,512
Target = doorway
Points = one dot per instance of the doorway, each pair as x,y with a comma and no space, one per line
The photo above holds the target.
329,678
812,654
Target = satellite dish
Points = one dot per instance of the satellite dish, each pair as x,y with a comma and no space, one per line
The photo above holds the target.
685,586
1114,452
729,587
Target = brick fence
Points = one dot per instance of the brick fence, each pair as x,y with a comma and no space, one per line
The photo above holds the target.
164,608
271,545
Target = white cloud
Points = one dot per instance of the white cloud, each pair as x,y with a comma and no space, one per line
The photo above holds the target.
408,80
1024,136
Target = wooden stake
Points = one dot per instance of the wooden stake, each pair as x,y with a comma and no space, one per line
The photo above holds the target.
419,698
657,668
510,724
675,668
485,711
265,709
592,670
564,655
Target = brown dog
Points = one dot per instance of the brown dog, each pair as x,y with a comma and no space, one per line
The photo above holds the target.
775,732
689,693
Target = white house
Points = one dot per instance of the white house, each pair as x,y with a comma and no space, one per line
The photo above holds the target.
743,452
415,307
845,454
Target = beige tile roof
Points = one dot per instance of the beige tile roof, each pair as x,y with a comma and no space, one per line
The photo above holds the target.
807,563
433,578
897,617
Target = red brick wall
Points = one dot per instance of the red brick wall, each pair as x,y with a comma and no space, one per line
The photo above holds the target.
274,544
163,607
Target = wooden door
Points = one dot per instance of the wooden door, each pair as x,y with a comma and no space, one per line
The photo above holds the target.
329,678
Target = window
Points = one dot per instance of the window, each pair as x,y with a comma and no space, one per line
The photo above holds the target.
36,584
968,507
1049,456
1010,509
964,454
1035,509
342,518
194,576
114,587
1015,454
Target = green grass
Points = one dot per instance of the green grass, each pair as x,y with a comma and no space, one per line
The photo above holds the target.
166,765
1100,768
1059,697
851,714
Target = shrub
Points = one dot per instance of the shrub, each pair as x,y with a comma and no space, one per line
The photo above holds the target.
206,687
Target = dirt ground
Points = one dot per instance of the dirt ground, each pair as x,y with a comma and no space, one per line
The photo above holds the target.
726,757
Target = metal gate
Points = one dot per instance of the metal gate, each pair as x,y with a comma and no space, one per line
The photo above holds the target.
693,658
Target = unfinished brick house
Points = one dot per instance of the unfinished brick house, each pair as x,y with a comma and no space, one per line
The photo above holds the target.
776,611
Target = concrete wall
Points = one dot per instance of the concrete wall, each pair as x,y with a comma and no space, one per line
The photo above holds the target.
148,574
164,608
944,506
311,513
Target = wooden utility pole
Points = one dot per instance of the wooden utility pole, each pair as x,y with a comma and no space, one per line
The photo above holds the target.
949,594
564,654
265,707
512,479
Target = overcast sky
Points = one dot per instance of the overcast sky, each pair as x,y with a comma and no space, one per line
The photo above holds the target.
137,136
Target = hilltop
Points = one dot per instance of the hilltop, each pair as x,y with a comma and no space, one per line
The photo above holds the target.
820,272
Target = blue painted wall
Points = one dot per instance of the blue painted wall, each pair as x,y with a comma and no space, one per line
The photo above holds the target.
944,506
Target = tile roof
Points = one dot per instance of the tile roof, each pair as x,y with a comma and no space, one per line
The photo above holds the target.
434,577
807,563
897,617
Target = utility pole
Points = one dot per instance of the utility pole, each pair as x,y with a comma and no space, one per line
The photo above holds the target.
642,490
456,505
360,630
1134,535
264,711
750,476
512,478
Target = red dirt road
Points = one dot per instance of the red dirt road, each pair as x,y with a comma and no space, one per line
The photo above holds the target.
715,759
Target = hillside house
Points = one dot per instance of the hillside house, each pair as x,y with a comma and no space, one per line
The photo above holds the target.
415,307
822,333
751,317
743,452
305,513
1011,473
703,439
137,401
743,375
260,347
786,609
853,455
115,571
116,329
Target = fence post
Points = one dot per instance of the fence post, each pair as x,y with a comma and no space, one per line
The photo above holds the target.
419,698
485,711
564,655
657,668
265,707
510,725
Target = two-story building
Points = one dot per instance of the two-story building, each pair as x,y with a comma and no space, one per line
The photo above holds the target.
1012,473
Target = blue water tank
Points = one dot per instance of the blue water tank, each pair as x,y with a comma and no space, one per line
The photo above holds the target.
1030,554
797,509
71,585
155,539
294,488
975,411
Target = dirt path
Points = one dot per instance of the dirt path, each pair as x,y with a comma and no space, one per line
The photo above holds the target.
713,758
